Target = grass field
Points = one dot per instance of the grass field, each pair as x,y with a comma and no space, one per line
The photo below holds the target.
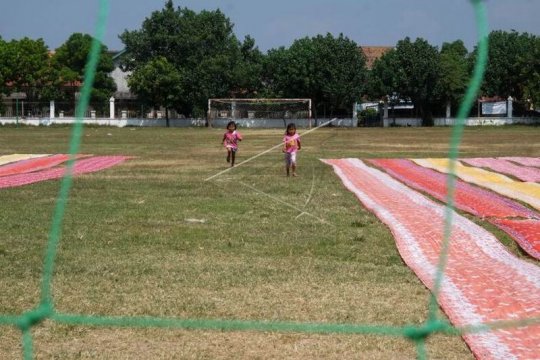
151,237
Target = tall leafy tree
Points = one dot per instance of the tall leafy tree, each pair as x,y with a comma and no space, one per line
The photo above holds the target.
157,83
201,47
384,77
454,72
410,71
513,67
530,73
501,65
69,64
329,70
3,72
25,63
249,70
3,67
275,76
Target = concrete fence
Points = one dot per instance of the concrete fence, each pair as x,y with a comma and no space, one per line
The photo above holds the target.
473,121
262,123
217,123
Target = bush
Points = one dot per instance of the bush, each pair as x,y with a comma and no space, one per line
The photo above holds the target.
367,117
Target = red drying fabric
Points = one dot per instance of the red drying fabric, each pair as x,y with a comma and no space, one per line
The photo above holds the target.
472,199
82,166
30,165
483,282
526,232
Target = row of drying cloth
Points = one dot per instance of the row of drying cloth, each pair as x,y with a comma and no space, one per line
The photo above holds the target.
483,283
478,197
25,169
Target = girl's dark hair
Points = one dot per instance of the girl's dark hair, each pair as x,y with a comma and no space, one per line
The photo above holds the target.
291,126
231,123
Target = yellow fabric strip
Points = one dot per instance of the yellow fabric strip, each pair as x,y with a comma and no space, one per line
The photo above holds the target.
6,159
527,192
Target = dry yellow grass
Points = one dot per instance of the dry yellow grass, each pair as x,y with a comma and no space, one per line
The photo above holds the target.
129,247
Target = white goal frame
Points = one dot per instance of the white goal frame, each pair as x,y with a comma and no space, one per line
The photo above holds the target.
228,108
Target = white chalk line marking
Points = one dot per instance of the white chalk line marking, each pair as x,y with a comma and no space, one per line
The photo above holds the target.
285,203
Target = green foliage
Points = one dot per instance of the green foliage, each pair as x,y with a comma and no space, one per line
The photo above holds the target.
204,51
249,70
410,71
329,70
368,116
3,67
68,66
383,77
454,72
530,73
512,65
275,74
23,66
157,83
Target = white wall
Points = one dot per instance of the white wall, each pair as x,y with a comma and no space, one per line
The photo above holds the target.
261,123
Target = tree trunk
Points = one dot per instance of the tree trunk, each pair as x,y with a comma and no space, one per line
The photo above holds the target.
167,116
427,114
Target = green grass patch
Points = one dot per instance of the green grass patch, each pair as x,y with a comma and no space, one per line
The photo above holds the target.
151,237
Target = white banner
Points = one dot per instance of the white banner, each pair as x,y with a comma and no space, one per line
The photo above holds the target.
494,108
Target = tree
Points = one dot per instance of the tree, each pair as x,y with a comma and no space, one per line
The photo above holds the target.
275,75
25,63
513,67
329,70
68,67
3,67
510,64
454,72
410,71
249,71
157,83
201,47
383,77
530,73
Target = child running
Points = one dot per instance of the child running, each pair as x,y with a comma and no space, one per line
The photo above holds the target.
291,144
230,141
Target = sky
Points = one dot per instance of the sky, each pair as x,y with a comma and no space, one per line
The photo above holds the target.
275,23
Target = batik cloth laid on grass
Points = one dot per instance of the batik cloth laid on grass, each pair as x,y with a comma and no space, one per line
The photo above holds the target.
482,203
527,161
528,192
482,282
82,166
33,164
525,231
503,166
6,159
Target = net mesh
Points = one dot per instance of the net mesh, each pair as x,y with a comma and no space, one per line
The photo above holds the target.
417,334
259,109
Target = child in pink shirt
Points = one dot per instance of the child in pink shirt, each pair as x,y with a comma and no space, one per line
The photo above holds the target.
291,144
230,141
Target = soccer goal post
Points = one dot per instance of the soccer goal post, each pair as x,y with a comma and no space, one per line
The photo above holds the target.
259,112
